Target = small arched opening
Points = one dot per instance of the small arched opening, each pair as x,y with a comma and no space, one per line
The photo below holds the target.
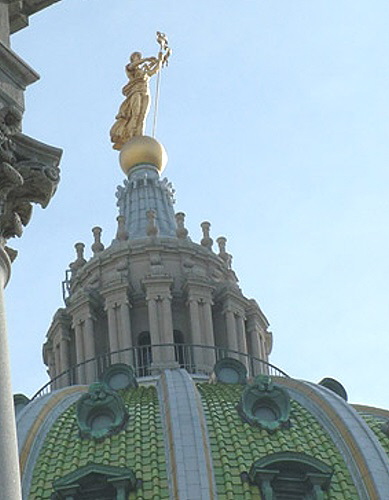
144,354
179,348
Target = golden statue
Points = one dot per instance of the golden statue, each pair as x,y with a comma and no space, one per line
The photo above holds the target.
131,118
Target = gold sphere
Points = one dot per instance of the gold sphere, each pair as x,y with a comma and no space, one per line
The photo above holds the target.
142,150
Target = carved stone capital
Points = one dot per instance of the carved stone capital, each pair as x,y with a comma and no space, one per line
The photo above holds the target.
29,174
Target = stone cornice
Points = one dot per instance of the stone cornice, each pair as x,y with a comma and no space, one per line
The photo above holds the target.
15,69
199,289
158,287
115,295
232,299
254,313
82,306
20,11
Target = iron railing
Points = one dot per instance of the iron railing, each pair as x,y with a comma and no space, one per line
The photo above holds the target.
151,360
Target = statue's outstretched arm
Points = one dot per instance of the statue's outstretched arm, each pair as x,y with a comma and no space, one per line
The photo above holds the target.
155,64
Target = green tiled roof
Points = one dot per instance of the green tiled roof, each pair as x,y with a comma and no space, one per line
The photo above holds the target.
235,445
139,446
375,423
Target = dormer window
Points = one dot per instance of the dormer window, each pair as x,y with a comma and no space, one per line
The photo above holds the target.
291,476
95,482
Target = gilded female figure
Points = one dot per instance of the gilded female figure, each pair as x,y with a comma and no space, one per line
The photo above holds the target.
131,118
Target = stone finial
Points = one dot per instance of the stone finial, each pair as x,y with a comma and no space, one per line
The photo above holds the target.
206,241
223,254
152,229
97,246
221,241
121,233
80,260
181,230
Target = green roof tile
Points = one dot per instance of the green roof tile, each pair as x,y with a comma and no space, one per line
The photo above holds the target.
139,447
375,424
235,445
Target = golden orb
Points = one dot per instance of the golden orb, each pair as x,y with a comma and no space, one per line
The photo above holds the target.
142,150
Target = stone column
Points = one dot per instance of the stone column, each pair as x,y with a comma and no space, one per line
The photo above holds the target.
256,331
90,354
113,331
85,350
232,338
83,324
119,324
125,340
200,312
56,349
57,364
158,299
9,459
64,356
234,313
4,23
80,356
48,358
241,330
195,320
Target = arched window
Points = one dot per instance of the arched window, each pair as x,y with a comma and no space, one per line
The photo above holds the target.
144,355
179,348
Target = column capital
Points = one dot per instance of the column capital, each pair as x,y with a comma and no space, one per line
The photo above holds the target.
255,315
158,288
199,290
116,295
232,300
29,173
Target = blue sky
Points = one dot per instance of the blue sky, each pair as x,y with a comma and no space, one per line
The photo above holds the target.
275,116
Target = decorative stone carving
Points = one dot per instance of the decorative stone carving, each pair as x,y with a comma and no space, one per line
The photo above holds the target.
28,173
122,233
156,264
206,241
100,412
265,404
152,229
97,246
80,260
181,231
221,241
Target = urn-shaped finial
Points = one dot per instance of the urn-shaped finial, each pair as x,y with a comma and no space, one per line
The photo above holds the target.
206,241
181,230
97,246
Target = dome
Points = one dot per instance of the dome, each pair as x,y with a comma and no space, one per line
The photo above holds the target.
185,438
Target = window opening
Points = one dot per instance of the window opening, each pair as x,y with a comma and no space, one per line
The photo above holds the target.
145,356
